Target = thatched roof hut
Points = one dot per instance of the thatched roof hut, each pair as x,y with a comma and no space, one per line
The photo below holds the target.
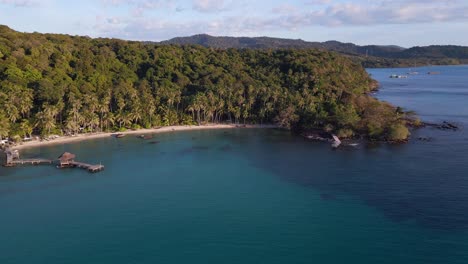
11,155
66,156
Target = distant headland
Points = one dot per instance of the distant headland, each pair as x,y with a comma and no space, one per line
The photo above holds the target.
370,56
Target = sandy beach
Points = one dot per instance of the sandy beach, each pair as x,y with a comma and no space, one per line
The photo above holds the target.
81,137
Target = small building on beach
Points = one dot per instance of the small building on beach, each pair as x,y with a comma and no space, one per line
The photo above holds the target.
10,156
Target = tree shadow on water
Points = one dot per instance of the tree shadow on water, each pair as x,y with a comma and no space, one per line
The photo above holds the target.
430,194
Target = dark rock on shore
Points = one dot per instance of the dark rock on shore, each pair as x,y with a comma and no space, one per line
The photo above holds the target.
318,135
444,126
426,139
374,85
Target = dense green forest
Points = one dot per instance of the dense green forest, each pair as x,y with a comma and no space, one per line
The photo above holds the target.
60,84
369,56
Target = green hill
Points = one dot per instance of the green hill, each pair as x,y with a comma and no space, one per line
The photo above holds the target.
60,84
280,43
369,55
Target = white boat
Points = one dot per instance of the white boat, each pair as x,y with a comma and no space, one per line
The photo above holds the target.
412,72
336,142
395,76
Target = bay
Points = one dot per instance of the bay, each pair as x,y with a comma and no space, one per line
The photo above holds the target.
253,196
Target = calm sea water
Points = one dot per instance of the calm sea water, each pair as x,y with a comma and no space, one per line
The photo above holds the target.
253,196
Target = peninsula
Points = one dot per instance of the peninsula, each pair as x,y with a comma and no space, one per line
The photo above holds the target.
54,84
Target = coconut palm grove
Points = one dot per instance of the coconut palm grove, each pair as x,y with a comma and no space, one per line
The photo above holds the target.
61,84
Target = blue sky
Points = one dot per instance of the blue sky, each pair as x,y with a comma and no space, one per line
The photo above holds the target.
399,22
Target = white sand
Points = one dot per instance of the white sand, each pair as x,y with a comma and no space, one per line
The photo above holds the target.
80,137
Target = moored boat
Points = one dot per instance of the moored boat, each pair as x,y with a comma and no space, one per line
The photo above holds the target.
119,135
396,76
145,136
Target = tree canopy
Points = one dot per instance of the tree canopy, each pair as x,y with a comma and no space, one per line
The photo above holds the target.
370,56
60,84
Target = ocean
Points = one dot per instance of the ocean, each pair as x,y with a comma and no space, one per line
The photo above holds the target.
253,195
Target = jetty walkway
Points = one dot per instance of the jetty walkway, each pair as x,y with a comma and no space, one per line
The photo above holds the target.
66,160
86,166
28,161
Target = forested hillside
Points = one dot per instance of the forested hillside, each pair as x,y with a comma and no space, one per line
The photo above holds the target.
281,43
59,84
372,56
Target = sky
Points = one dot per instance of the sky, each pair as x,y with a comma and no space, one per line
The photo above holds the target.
405,23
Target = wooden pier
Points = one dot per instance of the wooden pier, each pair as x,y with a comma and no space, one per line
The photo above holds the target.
28,162
88,167
66,160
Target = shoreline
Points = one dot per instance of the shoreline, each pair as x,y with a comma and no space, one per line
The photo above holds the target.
88,136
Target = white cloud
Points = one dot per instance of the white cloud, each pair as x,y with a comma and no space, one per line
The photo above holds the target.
209,5
114,20
318,2
140,3
113,2
377,12
154,29
280,18
138,7
285,9
20,3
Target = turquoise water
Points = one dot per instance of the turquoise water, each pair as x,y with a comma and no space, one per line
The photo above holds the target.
252,196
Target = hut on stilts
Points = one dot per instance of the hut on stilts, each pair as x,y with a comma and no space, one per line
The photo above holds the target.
11,156
66,160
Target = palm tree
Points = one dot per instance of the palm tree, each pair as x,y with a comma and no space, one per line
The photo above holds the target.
136,111
103,108
26,102
92,103
201,105
92,121
109,119
26,128
11,111
44,122
72,125
119,118
46,118
126,119
151,108
4,125
74,116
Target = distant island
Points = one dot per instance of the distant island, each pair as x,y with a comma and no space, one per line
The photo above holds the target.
52,84
370,56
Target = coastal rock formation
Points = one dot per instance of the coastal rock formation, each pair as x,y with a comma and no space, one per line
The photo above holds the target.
445,125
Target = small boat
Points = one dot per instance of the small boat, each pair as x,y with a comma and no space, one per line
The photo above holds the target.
145,136
336,142
395,76
120,135
433,72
